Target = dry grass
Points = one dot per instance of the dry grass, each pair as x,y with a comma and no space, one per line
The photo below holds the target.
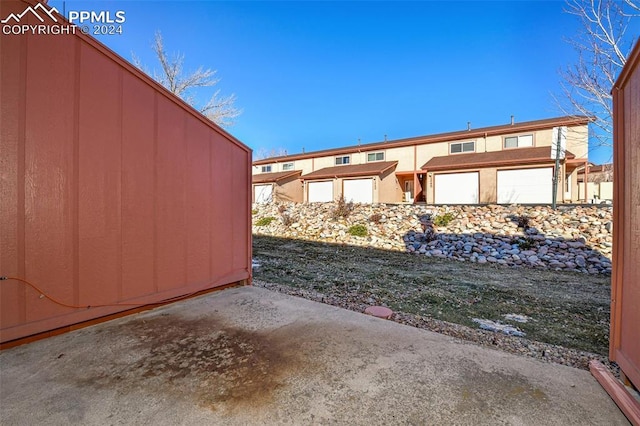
566,308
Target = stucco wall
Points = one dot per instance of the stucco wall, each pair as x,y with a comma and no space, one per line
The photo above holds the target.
289,189
388,188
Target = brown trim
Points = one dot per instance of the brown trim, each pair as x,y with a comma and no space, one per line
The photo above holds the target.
88,323
261,178
351,170
524,127
618,221
409,172
616,390
632,62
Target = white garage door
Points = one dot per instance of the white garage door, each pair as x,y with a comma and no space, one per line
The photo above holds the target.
358,190
263,193
320,192
456,188
525,186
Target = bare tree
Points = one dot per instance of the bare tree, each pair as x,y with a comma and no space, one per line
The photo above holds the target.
603,173
219,109
264,153
603,46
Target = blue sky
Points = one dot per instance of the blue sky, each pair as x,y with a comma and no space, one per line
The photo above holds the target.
318,74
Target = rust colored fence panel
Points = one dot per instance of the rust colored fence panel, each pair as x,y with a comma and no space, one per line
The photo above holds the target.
115,193
625,292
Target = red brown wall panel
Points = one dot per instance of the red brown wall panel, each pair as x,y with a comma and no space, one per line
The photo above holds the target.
114,191
624,347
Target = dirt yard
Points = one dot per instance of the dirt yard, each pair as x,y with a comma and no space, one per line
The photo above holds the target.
567,309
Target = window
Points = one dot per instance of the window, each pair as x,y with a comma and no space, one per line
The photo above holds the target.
458,147
375,156
266,169
287,166
342,160
518,141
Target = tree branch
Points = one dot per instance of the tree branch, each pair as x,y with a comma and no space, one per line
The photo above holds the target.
220,110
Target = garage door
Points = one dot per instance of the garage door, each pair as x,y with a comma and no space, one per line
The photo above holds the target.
320,192
533,186
263,193
456,188
358,190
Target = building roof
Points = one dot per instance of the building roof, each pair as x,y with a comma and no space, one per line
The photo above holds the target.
274,177
366,169
598,168
507,157
504,129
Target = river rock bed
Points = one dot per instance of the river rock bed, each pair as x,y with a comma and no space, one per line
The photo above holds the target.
570,238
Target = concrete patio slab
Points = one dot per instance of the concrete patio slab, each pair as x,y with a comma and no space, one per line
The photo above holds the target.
249,356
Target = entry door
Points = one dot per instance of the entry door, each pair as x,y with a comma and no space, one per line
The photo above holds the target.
408,191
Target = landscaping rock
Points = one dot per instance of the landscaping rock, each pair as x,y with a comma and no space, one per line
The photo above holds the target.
571,238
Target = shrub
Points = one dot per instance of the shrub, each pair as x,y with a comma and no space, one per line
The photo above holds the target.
523,221
526,243
254,212
265,221
375,218
287,220
358,231
443,220
342,209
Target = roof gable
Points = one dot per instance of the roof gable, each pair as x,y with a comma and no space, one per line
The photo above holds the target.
366,169
274,177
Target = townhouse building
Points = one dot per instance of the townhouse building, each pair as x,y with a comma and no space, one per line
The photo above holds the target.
504,164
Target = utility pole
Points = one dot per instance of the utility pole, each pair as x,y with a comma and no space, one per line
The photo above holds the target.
556,171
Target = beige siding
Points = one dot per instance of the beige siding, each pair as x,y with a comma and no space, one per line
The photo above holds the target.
358,158
492,143
427,152
543,137
577,141
305,165
322,162
413,157
404,157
